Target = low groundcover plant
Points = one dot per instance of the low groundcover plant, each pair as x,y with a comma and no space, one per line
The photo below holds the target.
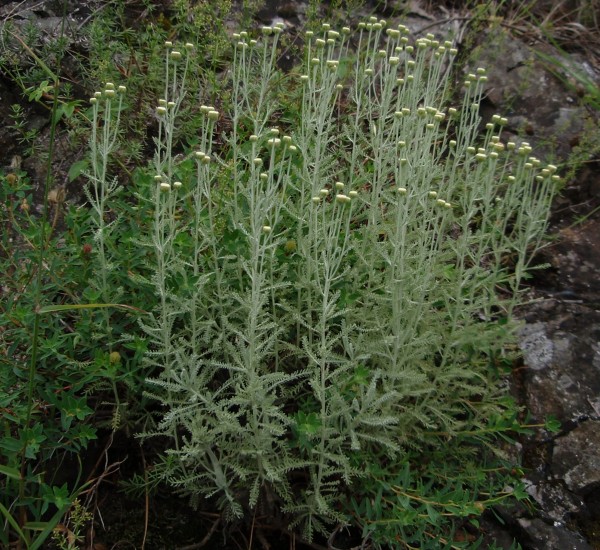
335,261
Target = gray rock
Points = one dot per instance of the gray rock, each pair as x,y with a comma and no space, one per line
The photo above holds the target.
555,501
538,535
562,364
537,348
576,457
527,85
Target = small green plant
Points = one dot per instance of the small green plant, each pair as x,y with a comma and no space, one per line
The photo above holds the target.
69,536
44,411
333,290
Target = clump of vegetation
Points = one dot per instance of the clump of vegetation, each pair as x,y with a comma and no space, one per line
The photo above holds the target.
327,312
313,278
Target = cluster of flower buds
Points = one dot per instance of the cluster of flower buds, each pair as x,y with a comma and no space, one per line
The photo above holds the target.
176,54
373,24
164,106
439,201
340,197
109,92
202,157
478,76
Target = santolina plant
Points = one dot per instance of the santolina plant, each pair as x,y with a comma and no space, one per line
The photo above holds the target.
329,324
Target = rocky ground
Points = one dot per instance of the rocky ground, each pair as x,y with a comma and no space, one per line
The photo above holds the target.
541,88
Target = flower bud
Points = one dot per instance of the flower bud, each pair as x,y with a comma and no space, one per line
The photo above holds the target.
342,198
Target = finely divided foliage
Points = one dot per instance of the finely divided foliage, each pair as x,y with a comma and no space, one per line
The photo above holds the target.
332,292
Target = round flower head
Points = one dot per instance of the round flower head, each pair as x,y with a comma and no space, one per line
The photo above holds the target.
342,198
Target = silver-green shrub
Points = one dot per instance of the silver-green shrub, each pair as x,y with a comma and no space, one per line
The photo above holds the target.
332,285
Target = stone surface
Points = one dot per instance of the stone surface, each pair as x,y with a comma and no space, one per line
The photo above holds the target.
527,85
576,457
562,362
555,501
538,535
